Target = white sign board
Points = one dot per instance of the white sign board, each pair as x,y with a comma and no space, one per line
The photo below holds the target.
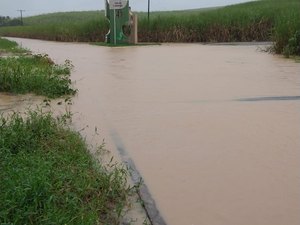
117,4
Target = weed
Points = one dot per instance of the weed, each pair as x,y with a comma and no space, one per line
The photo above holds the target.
293,46
48,177
7,46
33,73
37,74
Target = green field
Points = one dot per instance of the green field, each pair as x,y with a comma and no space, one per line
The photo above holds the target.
265,20
69,26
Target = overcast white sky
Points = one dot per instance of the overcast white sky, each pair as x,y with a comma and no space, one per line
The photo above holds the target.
35,7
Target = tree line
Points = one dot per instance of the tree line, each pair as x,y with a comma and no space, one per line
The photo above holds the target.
7,21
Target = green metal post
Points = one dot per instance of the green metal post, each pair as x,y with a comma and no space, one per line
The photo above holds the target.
117,12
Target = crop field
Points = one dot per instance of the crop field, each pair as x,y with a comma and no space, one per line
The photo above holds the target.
266,20
69,26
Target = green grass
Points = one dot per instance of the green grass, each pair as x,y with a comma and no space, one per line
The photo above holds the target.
33,73
7,46
48,177
36,74
265,20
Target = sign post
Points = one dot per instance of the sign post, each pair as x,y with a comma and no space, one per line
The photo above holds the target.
119,15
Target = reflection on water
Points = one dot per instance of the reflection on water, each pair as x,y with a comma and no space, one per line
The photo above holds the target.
182,114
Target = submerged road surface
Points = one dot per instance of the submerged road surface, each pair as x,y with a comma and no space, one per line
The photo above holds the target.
213,130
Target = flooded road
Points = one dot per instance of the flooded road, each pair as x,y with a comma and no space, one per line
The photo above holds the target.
213,130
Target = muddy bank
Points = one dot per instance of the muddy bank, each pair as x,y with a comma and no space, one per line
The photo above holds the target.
13,102
213,130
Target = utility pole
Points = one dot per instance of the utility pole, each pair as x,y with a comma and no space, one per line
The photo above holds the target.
148,11
21,12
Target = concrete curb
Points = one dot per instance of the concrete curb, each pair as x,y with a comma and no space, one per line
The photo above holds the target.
144,194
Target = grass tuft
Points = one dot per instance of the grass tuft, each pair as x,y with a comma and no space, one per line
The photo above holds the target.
7,46
33,73
37,74
48,177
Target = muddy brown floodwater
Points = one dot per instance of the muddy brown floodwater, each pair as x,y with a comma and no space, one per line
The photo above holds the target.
213,130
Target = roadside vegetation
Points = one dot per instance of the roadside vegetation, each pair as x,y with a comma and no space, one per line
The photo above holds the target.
27,73
7,46
47,174
49,177
265,20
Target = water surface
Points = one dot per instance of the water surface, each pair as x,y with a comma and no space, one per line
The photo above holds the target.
213,130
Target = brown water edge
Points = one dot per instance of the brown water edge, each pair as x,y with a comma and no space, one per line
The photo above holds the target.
13,102
214,130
